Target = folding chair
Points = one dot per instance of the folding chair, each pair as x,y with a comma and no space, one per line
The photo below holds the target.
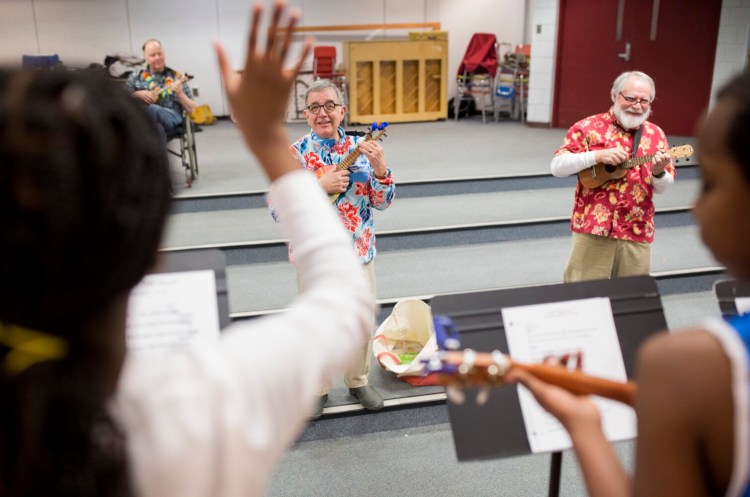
185,133
324,67
476,74
512,83
324,62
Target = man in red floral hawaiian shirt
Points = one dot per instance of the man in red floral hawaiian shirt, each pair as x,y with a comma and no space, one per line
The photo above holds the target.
613,224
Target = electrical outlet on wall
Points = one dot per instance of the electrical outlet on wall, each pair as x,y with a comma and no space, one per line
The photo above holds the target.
196,91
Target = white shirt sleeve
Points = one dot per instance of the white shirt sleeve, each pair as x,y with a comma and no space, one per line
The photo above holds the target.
216,419
662,184
569,163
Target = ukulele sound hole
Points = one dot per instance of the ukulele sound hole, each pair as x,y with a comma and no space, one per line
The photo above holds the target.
610,168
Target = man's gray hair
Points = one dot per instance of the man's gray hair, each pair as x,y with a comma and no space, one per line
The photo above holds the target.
150,40
620,81
323,84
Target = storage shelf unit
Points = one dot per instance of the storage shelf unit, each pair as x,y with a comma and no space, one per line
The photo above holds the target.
397,81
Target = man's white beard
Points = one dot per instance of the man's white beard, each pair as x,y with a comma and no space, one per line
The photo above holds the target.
630,121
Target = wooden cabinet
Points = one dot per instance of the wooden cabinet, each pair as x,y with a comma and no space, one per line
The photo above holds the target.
397,81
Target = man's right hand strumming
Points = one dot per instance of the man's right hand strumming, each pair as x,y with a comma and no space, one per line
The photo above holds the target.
335,181
145,96
613,156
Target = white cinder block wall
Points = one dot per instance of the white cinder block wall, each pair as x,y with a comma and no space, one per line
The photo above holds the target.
543,30
733,45
85,31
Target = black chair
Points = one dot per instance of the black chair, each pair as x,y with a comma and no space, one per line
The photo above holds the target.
185,133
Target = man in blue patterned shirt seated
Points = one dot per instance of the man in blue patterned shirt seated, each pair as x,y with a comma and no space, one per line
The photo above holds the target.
164,90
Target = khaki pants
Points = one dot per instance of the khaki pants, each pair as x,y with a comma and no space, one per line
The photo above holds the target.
595,257
357,375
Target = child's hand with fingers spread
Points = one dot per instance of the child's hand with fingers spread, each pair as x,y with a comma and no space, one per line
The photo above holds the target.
258,96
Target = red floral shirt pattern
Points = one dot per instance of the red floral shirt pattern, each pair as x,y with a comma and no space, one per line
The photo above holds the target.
622,208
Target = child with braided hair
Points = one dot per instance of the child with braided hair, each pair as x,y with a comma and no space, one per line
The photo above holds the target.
84,193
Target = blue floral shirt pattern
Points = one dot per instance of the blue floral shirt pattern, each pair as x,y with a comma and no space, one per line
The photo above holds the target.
364,193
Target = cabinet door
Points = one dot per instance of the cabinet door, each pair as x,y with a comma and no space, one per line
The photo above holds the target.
397,81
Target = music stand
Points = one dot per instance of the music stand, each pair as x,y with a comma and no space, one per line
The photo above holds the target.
497,429
727,292
192,260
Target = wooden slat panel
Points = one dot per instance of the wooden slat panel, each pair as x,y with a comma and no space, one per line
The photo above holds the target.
403,85
387,87
365,101
433,95
410,86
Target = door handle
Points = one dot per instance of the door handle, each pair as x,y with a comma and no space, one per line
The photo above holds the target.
626,54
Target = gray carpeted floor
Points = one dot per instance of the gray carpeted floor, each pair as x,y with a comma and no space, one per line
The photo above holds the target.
477,210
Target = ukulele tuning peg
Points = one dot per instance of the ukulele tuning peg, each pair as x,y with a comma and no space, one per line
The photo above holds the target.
455,393
483,395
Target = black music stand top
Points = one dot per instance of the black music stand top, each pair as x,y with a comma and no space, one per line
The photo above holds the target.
497,428
727,292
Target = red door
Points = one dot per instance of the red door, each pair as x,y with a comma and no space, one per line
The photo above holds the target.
676,47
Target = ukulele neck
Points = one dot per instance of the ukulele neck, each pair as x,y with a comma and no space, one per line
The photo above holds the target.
637,161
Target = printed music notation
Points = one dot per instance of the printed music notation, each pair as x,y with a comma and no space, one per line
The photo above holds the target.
535,332
168,310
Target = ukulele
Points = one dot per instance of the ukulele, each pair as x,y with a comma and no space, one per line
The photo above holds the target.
156,91
600,173
459,369
354,154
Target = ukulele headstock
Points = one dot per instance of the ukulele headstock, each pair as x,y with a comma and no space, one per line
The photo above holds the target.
184,77
376,131
464,368
681,152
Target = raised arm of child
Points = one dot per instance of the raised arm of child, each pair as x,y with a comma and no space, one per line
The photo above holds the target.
222,416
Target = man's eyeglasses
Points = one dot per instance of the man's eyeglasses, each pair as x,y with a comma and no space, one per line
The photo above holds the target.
328,106
645,102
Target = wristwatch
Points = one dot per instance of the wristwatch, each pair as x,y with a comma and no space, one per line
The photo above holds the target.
660,175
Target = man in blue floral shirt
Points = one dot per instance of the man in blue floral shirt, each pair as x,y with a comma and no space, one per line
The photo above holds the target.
365,185
161,89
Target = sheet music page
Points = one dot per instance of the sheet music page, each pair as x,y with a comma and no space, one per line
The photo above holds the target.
537,331
167,310
743,304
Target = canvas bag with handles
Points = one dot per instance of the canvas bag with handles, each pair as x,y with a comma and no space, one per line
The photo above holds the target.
404,339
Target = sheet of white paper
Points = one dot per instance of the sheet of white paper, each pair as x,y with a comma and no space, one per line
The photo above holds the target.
538,331
172,309
743,304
